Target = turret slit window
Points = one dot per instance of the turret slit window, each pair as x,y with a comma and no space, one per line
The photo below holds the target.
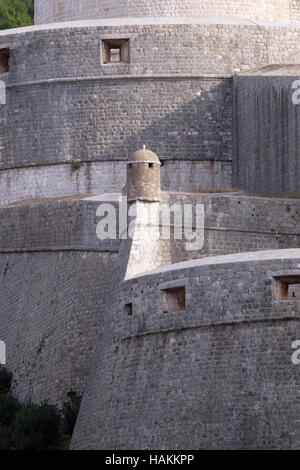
129,309
115,51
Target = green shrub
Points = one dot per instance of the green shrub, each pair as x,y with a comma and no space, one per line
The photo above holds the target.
64,445
76,165
6,438
37,427
9,406
15,13
5,379
70,412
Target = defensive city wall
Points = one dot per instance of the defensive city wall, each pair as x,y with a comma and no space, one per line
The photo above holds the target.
266,130
197,355
172,348
71,120
56,275
66,10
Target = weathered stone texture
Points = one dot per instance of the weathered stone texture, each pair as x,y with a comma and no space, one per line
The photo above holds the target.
267,135
55,274
51,305
218,375
47,11
235,223
63,104
295,10
52,181
143,176
158,48
106,177
109,120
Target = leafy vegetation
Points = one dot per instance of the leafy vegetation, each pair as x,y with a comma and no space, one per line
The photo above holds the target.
9,406
76,165
16,13
30,426
5,380
37,427
6,438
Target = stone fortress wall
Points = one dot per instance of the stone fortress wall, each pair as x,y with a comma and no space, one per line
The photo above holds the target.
266,131
56,275
48,11
216,374
64,104
69,125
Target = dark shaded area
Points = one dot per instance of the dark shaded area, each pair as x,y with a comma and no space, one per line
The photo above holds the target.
266,135
182,119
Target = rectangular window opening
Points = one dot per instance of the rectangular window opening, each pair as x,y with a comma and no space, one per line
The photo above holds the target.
4,60
115,51
128,309
287,288
175,299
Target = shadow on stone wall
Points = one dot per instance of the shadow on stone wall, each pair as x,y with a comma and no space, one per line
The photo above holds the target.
177,119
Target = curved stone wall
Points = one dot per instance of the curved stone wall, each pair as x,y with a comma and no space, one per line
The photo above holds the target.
216,375
63,104
54,279
48,11
55,274
235,223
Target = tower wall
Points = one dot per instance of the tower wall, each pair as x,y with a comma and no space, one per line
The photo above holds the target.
266,129
65,105
209,376
55,274
54,278
48,11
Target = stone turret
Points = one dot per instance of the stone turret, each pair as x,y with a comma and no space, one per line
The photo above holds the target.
143,176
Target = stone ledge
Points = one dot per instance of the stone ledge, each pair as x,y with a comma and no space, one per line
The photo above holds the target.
53,81
146,22
255,256
212,324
